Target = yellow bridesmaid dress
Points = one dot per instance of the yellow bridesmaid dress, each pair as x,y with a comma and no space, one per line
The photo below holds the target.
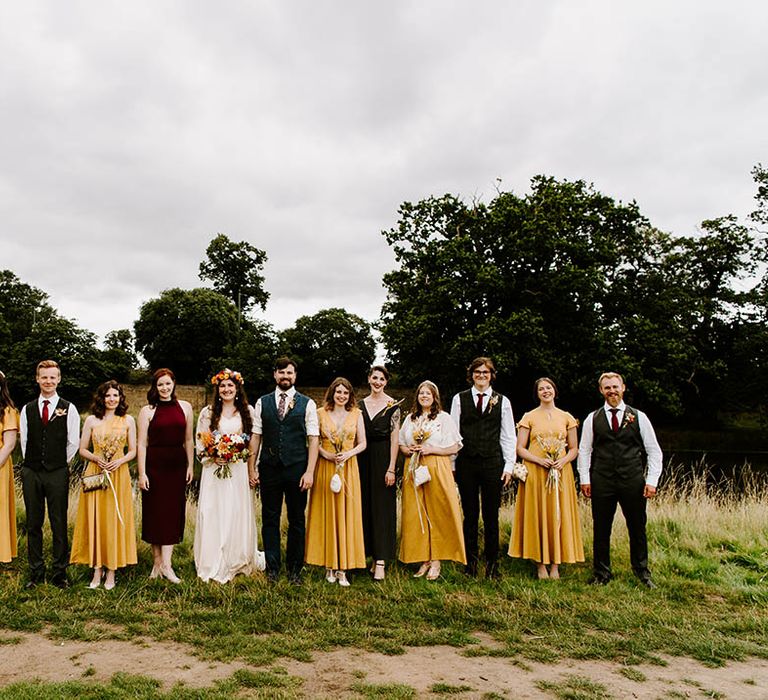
10,421
335,520
100,539
546,526
431,517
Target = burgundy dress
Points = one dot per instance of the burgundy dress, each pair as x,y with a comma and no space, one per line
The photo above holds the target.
163,506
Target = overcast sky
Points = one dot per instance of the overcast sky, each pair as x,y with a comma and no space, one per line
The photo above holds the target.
133,132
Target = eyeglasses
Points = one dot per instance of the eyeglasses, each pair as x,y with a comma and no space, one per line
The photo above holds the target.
482,371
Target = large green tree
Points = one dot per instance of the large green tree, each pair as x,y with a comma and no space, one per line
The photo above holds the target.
563,281
183,329
329,344
235,269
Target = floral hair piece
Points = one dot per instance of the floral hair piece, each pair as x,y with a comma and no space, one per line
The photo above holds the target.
227,373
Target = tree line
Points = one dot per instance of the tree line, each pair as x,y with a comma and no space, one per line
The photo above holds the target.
562,281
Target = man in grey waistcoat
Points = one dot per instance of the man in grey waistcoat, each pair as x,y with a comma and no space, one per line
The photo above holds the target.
485,462
287,436
620,463
50,435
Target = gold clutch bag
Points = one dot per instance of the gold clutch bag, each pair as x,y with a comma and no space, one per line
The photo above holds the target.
95,482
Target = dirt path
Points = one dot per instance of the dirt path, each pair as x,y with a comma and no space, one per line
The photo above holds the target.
332,674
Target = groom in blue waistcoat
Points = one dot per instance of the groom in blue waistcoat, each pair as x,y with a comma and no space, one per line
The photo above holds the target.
50,435
287,435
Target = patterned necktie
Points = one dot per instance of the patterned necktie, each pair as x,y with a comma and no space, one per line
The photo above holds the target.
45,411
281,406
480,403
614,419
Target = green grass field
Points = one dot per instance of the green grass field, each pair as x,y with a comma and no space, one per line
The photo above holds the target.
708,554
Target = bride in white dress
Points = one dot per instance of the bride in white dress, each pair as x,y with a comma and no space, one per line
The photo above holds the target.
225,533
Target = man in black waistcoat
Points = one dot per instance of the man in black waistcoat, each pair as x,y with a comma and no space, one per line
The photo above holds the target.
50,434
287,433
485,462
617,444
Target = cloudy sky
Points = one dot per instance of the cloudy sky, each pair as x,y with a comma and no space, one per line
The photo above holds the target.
133,132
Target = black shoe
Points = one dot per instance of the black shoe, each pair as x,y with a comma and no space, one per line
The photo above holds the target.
272,576
32,583
60,582
492,572
598,581
470,570
295,578
648,583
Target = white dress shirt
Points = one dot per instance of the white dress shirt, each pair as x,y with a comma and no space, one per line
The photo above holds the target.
311,422
650,443
508,437
73,425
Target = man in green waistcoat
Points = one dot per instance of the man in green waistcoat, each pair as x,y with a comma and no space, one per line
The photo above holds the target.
287,436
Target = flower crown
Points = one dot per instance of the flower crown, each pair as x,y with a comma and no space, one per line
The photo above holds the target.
227,374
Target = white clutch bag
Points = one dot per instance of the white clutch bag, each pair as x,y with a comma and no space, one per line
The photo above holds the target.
336,483
520,471
421,475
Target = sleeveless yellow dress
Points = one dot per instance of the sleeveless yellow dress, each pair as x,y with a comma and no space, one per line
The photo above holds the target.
335,520
546,526
8,421
100,539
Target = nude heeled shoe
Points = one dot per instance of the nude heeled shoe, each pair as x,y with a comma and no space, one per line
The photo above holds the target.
434,571
170,574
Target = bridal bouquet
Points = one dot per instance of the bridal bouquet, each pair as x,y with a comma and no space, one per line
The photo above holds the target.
224,447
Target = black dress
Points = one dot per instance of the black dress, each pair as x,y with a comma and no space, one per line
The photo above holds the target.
379,500
163,506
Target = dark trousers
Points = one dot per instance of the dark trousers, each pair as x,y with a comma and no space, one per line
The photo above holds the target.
51,488
480,490
607,493
278,483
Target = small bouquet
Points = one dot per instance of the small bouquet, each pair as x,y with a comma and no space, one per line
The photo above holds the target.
553,447
224,447
337,440
420,473
520,471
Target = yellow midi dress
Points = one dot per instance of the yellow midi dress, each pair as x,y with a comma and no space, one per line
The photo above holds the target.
100,539
8,421
546,525
431,515
335,520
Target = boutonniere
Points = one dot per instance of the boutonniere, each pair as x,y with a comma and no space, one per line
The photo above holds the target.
57,413
392,403
492,401
628,418
291,403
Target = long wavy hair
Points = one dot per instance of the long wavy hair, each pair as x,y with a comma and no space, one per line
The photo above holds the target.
5,396
340,381
436,406
153,395
241,404
99,408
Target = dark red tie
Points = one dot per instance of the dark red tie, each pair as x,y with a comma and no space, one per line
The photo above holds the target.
614,419
480,403
281,406
45,411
